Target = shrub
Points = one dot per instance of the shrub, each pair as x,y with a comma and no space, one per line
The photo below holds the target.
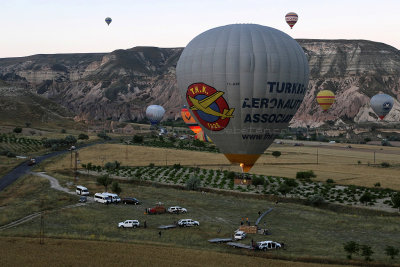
137,139
377,184
257,180
385,165
315,200
366,198
83,136
366,251
276,154
396,200
63,131
330,181
391,251
284,189
291,183
306,175
177,166
351,248
112,165
151,165
104,136
17,130
230,175
70,140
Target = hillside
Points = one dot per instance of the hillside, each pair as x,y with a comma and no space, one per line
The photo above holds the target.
19,107
119,85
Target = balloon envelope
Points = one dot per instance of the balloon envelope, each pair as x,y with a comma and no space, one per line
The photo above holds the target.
155,113
202,137
108,20
325,99
243,83
291,19
190,121
381,104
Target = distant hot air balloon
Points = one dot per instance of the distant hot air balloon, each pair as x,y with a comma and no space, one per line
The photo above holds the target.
202,137
325,99
155,113
190,121
381,104
108,20
291,19
243,83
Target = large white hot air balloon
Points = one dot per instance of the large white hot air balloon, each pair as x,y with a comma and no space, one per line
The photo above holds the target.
155,113
382,104
243,83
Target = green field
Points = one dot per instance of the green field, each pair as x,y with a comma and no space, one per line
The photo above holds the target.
305,230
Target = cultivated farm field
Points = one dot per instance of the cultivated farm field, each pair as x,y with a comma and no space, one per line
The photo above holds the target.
338,164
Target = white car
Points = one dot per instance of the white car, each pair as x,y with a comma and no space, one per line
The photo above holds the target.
264,245
177,209
239,235
129,224
188,222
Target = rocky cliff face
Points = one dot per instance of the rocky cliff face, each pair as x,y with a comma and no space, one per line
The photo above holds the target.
121,84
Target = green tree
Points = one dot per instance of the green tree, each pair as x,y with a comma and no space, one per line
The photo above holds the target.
366,198
89,166
276,154
104,180
137,139
366,252
70,140
116,188
193,183
396,200
391,251
284,189
17,130
83,136
63,131
306,175
351,248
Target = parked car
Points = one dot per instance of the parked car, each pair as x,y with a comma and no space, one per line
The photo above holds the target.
83,199
183,137
31,162
129,224
239,235
81,190
130,200
265,245
332,142
187,222
113,197
177,209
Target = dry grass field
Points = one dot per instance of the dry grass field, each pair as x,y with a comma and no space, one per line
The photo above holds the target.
64,252
335,162
305,230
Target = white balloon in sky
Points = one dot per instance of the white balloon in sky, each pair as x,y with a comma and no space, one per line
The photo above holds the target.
243,83
155,113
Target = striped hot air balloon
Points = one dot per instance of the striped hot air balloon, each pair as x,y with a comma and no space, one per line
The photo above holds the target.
291,19
325,99
202,137
190,121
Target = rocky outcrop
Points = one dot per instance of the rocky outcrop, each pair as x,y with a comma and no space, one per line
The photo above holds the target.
120,85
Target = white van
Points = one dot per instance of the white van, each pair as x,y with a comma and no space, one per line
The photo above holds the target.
113,197
99,197
81,190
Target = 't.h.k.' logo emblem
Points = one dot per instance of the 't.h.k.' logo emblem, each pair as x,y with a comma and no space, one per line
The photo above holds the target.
209,107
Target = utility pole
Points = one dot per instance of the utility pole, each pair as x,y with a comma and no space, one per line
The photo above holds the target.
76,165
374,157
317,155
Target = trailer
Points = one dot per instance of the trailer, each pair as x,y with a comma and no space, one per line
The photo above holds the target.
158,209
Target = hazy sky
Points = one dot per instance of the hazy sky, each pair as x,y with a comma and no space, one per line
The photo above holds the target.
77,26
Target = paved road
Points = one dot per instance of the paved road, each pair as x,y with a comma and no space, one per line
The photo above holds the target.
23,168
